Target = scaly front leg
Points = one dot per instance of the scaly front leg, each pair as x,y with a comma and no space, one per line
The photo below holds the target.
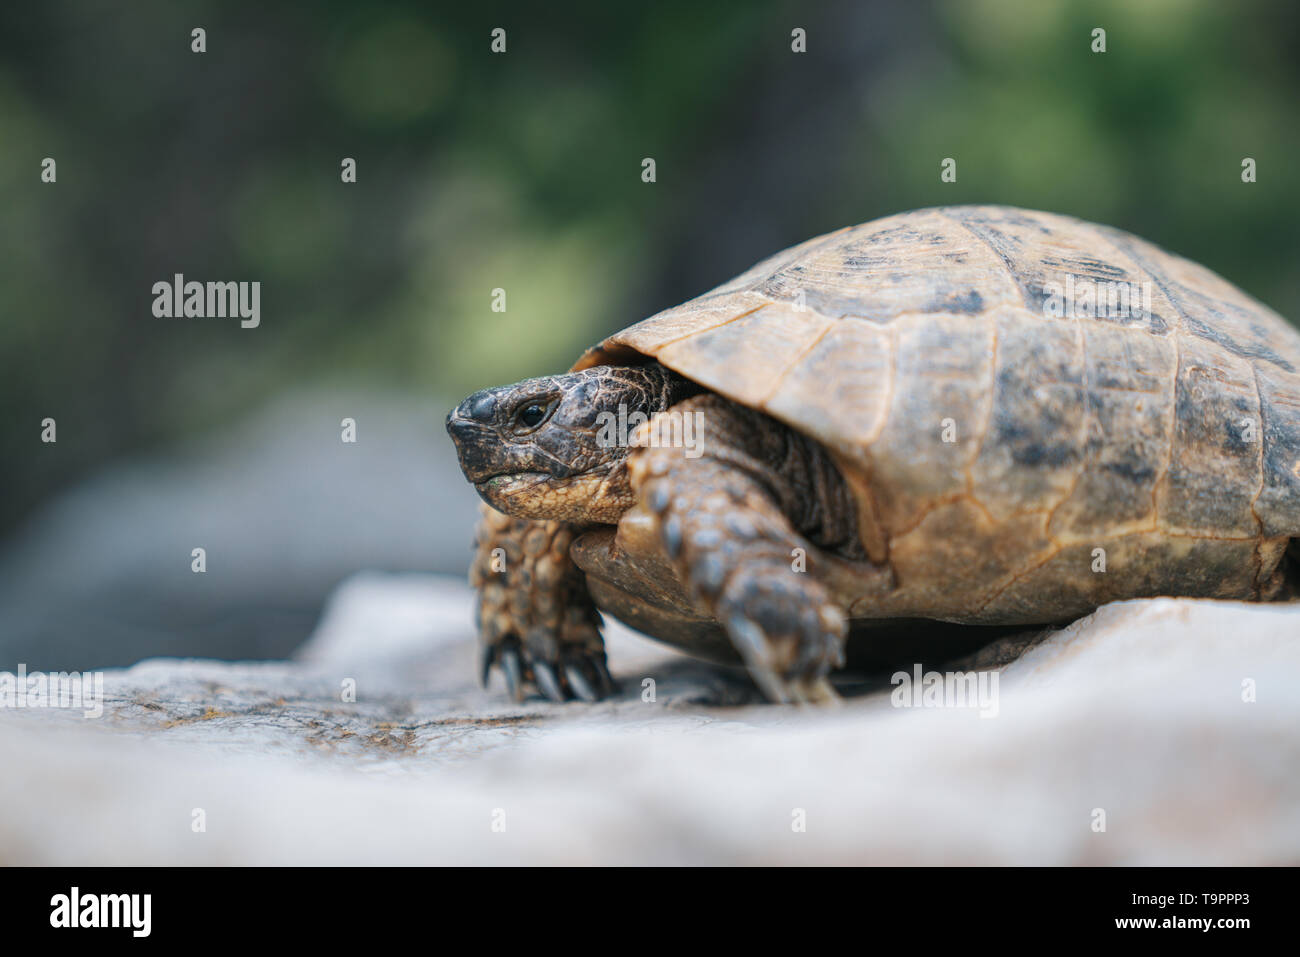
724,518
535,618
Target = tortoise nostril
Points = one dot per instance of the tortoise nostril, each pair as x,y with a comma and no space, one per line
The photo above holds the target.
461,429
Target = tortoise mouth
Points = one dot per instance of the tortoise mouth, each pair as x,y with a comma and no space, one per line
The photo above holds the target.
515,481
509,482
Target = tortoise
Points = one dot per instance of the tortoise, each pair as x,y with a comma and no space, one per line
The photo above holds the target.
975,415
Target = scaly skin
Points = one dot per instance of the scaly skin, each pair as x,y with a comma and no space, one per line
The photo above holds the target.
731,520
535,618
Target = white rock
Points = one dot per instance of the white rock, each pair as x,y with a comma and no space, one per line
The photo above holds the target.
1137,711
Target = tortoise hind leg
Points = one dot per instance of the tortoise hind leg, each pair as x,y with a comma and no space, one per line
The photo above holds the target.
734,546
535,618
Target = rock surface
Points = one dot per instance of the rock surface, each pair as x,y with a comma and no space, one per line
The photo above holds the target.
1136,713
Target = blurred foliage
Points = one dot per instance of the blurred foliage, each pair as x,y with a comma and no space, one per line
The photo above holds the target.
522,171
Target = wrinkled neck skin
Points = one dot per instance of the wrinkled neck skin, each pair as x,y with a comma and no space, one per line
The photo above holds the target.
572,467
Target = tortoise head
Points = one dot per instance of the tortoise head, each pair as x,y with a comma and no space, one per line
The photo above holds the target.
544,448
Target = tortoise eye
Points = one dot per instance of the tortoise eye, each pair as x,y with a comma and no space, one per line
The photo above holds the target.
532,414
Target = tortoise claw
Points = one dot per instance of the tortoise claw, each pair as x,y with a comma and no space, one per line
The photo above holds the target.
576,675
579,684
547,682
821,691
514,672
816,691
798,693
752,645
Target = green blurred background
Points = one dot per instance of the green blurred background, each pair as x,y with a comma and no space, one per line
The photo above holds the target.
520,171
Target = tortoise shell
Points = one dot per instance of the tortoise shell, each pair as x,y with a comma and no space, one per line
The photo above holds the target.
1037,415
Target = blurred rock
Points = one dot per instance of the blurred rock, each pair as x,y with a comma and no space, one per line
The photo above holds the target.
285,510
1136,711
